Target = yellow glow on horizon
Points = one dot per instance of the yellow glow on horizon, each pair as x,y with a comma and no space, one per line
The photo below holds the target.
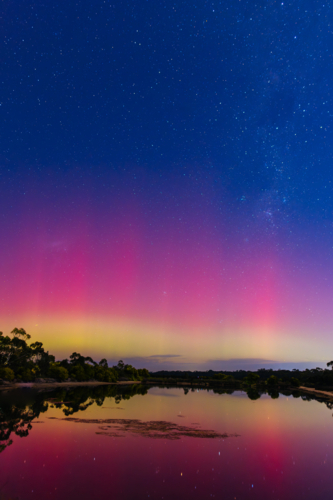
113,337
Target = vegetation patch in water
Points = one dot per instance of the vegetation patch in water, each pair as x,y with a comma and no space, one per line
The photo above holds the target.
155,429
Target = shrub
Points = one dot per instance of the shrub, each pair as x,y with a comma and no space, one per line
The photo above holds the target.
78,373
58,372
295,382
272,380
7,374
113,374
252,378
89,371
102,374
143,372
27,375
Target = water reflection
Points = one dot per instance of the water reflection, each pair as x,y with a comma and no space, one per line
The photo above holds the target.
17,415
20,409
80,398
127,442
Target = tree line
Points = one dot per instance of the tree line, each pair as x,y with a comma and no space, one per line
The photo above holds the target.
320,378
26,362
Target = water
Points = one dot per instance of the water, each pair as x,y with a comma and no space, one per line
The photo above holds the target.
163,444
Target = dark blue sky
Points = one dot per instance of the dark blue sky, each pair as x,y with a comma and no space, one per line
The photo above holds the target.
238,93
209,124
159,82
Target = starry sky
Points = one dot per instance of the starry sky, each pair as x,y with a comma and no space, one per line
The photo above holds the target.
166,180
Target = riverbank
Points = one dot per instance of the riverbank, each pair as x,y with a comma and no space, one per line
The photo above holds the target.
316,392
47,385
4,386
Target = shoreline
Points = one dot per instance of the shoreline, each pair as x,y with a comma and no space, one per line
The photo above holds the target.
316,391
46,385
94,383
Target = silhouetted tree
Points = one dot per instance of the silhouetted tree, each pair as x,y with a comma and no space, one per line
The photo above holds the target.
253,394
252,378
272,380
274,394
103,362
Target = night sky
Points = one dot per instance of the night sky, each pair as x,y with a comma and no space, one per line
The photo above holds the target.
166,180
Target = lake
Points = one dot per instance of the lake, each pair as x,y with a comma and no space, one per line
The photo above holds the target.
163,443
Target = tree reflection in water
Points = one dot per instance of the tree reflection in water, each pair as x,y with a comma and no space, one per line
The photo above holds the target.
80,398
17,415
252,393
20,409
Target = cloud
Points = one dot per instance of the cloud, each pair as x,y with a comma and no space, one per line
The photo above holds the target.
173,362
257,363
165,356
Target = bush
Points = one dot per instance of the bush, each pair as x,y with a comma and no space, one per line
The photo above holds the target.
295,382
272,380
113,374
7,374
35,371
78,373
102,374
252,378
89,371
58,372
26,375
110,376
131,373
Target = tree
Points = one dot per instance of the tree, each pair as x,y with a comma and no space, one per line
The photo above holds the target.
5,349
58,372
77,359
223,377
103,362
78,373
121,365
272,380
20,332
252,378
7,374
330,363
88,359
15,352
295,382
27,362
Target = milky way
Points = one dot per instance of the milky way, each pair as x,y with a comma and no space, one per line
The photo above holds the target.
166,179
